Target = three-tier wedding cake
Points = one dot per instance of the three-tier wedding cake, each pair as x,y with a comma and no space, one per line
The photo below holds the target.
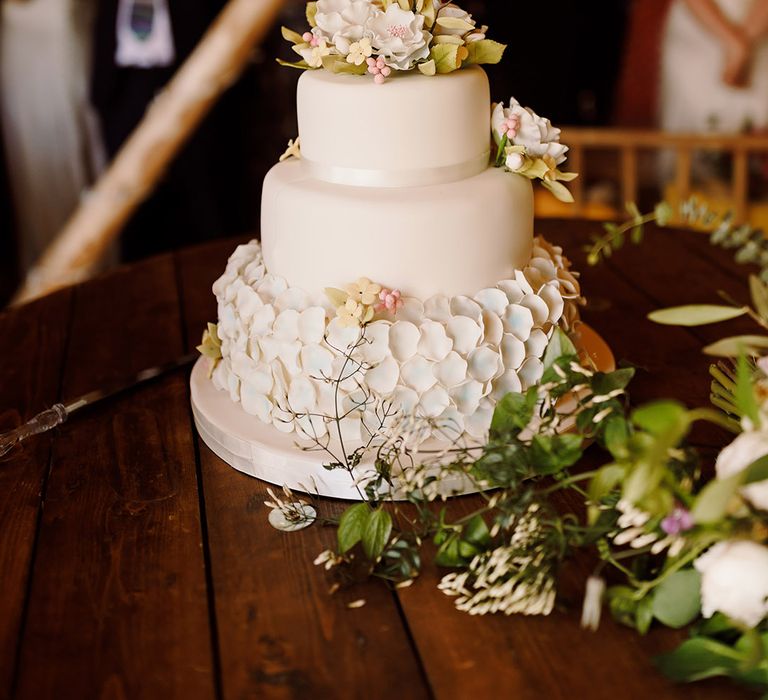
398,276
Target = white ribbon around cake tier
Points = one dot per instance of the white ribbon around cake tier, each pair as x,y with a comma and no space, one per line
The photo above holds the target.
362,177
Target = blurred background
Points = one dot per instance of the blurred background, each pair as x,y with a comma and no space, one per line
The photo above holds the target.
622,76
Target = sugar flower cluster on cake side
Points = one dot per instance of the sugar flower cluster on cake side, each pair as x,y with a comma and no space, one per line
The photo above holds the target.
277,349
381,36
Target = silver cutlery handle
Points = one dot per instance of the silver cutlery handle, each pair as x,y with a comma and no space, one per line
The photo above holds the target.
42,422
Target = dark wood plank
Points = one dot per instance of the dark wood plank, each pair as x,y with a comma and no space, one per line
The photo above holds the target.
31,358
280,633
118,603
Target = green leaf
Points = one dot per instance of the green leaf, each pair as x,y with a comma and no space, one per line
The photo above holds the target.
560,345
290,35
476,532
448,552
699,658
311,12
644,614
603,383
759,293
553,453
606,479
663,212
428,67
513,413
454,23
445,57
743,393
696,314
559,190
484,51
376,533
676,600
633,211
301,65
757,471
711,504
732,347
337,64
352,525
659,417
615,436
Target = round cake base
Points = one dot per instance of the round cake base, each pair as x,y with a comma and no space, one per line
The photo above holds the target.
260,450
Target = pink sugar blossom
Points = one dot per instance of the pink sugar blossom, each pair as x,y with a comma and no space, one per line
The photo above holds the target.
378,69
389,300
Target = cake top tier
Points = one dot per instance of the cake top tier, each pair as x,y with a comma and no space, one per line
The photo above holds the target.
411,130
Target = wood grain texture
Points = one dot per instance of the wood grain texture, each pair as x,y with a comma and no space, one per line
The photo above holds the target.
31,357
118,605
280,633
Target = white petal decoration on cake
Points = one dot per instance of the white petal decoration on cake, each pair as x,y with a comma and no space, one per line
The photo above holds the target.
452,370
376,345
292,298
287,325
464,306
493,328
538,308
530,372
518,320
554,301
312,325
271,287
316,360
467,396
404,339
537,343
483,364
301,395
247,301
464,332
383,377
446,359
507,383
435,343
434,402
438,308
417,373
342,338
262,320
512,289
494,300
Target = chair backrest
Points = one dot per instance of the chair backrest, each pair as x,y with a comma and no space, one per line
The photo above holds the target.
628,143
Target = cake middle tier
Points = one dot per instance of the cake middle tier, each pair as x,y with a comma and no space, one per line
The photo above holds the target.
454,238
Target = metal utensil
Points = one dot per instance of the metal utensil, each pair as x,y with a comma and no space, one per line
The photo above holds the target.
59,412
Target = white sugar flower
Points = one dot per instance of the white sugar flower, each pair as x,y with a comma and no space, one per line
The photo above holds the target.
343,22
453,12
523,127
353,314
364,291
734,581
399,37
359,51
737,456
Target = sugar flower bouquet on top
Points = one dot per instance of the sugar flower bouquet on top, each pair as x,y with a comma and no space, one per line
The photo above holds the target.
381,36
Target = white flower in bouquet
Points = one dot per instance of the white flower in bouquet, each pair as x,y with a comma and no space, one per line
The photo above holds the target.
343,22
745,449
523,127
399,37
453,12
734,581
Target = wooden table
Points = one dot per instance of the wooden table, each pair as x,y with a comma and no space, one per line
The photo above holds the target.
136,564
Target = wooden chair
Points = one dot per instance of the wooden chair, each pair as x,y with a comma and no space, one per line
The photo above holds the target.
630,143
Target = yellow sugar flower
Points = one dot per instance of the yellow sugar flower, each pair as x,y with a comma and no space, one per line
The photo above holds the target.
364,291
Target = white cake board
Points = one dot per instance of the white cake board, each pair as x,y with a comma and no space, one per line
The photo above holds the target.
260,450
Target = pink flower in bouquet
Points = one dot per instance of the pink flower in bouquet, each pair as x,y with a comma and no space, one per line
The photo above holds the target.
389,300
378,68
679,520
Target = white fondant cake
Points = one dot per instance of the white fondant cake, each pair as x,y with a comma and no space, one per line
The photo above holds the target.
397,274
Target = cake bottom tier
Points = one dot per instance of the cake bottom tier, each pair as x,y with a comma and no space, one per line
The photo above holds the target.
435,368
